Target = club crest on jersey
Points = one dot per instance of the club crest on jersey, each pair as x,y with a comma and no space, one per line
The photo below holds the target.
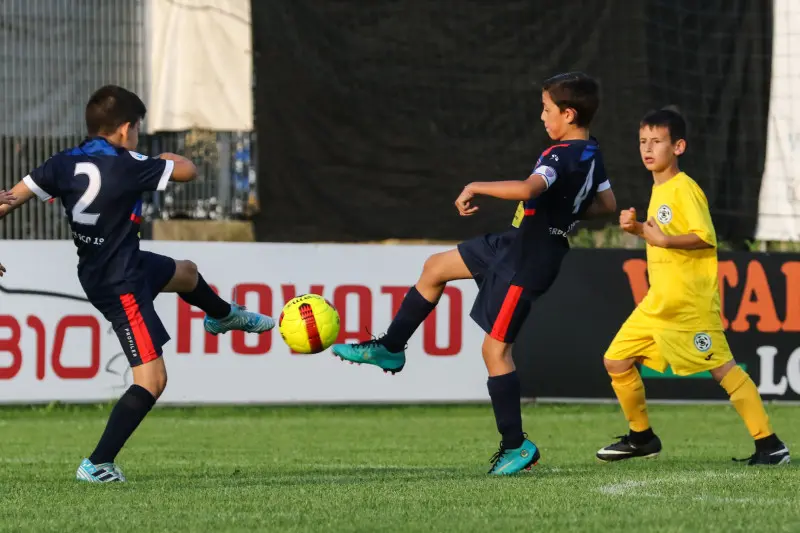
664,214
137,155
702,341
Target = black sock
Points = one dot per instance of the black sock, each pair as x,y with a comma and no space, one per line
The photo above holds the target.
505,393
769,443
413,312
125,418
641,437
206,299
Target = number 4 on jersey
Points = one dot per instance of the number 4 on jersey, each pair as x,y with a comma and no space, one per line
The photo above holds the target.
585,190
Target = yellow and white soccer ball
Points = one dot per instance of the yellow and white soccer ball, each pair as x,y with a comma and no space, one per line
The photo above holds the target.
309,324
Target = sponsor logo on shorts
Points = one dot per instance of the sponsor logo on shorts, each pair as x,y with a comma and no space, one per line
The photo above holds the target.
702,341
664,214
131,343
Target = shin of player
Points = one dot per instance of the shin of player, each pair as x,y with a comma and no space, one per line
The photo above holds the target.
678,323
515,267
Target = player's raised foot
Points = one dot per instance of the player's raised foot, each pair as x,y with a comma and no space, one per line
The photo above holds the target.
778,454
102,473
511,461
239,319
624,448
371,353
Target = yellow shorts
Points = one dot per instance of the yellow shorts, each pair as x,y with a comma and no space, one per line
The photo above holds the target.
687,352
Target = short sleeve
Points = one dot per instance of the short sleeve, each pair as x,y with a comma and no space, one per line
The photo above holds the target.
549,166
42,181
604,185
149,174
695,209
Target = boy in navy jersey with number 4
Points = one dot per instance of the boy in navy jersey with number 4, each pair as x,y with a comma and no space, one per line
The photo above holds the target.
100,183
515,267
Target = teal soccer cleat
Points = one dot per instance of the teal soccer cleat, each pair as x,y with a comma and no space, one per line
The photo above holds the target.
102,473
506,462
371,353
239,319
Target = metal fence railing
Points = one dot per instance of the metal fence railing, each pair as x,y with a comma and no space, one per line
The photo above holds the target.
50,63
225,187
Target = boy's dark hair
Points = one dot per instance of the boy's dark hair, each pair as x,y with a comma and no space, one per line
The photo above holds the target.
576,90
110,107
668,117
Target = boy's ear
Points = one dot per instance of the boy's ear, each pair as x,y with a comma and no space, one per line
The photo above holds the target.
570,115
680,147
123,129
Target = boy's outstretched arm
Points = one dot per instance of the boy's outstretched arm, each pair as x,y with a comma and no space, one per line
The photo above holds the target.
184,169
17,196
532,187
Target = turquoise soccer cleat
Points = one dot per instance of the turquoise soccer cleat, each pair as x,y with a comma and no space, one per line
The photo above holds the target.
371,353
506,462
102,473
239,319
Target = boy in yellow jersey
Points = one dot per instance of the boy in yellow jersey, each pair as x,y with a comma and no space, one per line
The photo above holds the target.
678,323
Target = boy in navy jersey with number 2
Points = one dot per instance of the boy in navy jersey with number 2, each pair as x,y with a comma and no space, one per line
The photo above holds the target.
100,183
512,268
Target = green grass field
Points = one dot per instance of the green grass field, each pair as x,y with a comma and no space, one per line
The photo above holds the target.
390,469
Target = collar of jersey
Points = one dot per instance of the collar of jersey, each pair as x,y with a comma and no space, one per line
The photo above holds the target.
590,140
94,146
670,182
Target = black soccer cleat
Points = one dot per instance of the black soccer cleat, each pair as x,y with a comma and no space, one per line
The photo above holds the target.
625,449
777,455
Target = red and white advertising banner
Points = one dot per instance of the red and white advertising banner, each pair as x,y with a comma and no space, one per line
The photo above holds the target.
55,346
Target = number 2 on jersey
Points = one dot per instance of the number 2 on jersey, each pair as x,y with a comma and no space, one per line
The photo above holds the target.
585,190
79,214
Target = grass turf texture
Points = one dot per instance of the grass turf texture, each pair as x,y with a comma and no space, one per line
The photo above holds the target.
391,469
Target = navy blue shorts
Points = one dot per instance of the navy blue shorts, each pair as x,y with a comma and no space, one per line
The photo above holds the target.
501,307
133,316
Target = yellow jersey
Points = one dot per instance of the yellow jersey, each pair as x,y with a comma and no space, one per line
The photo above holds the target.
684,286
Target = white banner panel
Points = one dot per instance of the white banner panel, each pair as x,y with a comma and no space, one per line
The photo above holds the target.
200,65
55,346
779,202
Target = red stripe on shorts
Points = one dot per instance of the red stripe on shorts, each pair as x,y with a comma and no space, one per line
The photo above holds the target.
307,314
506,313
144,343
530,212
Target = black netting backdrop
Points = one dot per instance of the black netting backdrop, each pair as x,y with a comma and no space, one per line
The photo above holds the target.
371,117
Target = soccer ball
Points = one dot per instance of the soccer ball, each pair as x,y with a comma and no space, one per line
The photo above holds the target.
309,324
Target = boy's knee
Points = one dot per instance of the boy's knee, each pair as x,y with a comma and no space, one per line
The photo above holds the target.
720,372
155,385
497,357
186,269
152,377
432,269
491,348
614,366
185,278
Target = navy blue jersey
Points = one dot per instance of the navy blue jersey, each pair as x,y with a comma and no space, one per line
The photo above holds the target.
574,173
100,186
